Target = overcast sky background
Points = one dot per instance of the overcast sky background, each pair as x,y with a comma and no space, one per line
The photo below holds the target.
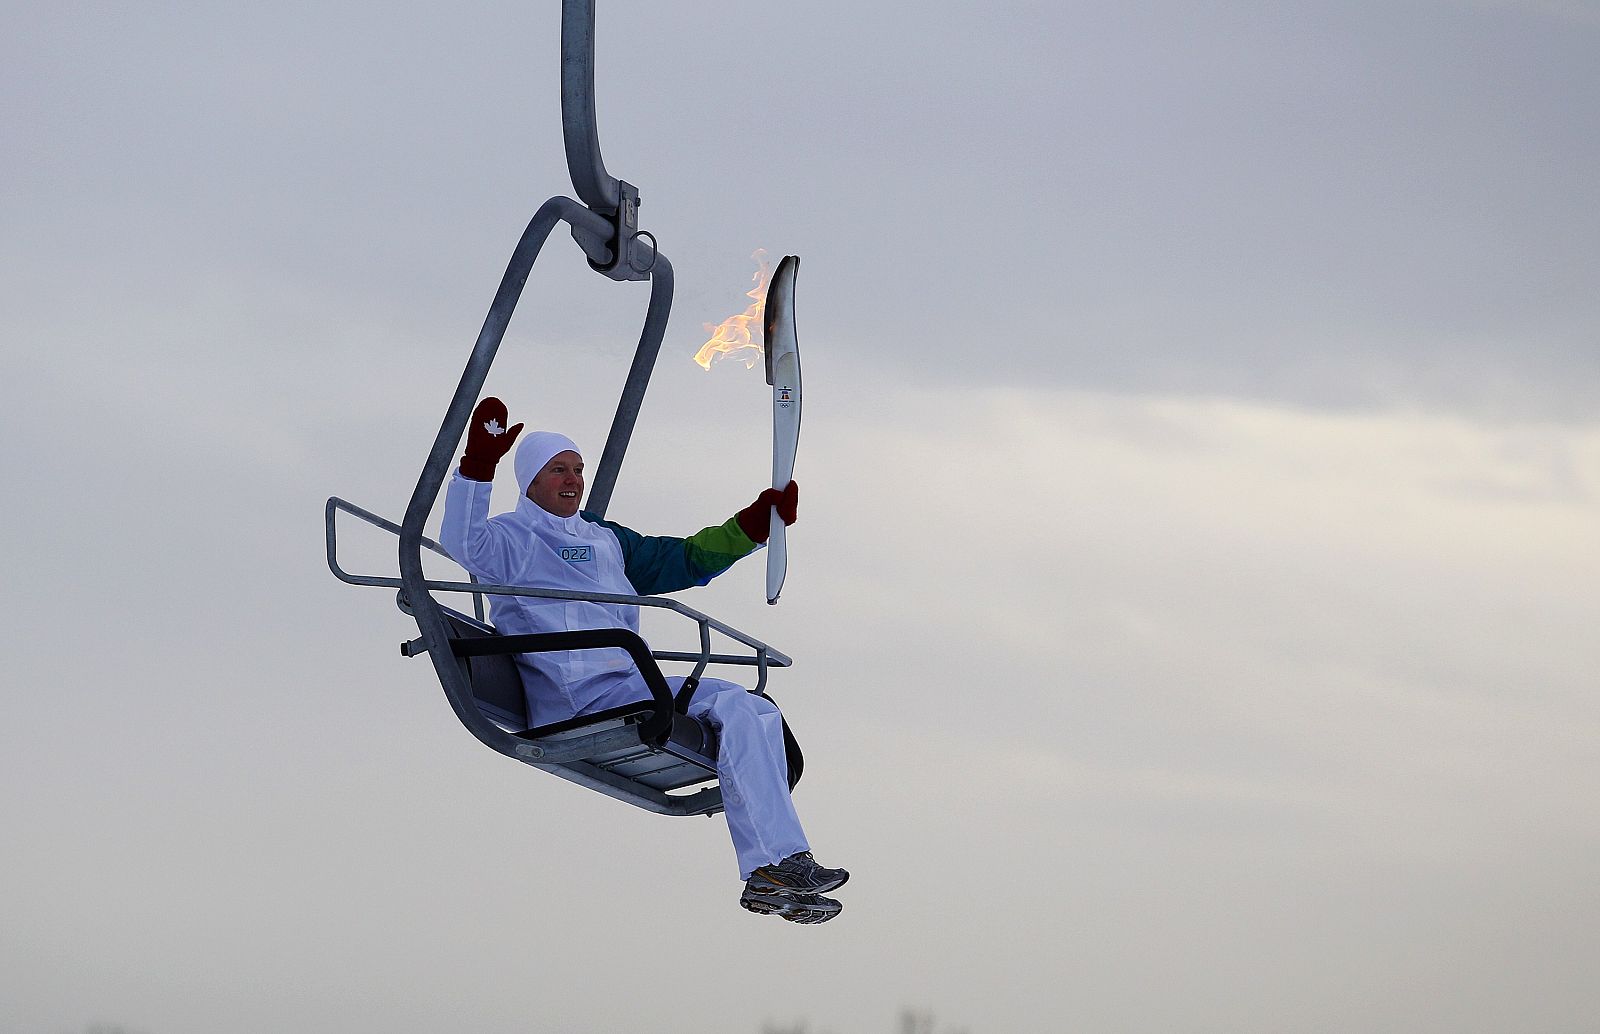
1194,597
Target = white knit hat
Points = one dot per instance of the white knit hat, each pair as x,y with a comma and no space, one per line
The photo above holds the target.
535,451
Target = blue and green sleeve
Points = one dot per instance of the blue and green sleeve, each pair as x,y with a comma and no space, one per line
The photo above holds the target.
661,563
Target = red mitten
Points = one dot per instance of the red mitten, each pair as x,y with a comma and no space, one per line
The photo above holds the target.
755,519
487,440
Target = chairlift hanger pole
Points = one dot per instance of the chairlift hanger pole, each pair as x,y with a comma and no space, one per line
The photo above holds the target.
627,257
598,188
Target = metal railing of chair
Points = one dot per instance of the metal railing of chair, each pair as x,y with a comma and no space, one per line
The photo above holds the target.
330,530
761,658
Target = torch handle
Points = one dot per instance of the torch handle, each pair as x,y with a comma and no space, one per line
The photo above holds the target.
777,557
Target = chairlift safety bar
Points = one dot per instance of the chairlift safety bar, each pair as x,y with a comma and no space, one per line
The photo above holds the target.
762,653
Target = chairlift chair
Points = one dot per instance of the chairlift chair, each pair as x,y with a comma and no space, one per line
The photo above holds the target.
649,754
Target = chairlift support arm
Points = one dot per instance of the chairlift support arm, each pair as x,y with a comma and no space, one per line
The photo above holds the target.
598,188
621,254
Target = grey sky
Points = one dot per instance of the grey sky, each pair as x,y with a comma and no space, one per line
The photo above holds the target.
1194,592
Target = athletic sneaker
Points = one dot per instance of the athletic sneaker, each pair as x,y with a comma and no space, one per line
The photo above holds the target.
805,909
796,874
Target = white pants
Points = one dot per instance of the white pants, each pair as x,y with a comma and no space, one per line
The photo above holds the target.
752,768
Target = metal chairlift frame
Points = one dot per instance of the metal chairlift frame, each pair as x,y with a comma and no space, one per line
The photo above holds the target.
608,753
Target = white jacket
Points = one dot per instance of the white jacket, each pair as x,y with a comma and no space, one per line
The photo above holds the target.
532,547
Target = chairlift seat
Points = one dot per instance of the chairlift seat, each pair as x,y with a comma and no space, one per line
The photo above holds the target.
686,757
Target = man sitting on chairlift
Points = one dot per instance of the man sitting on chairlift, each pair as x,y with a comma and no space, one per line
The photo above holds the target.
547,542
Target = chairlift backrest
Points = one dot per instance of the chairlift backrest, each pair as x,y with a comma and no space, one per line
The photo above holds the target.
496,683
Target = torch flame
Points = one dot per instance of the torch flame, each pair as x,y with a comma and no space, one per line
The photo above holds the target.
731,338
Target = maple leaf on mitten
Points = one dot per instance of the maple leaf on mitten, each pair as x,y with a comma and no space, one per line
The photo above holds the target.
487,440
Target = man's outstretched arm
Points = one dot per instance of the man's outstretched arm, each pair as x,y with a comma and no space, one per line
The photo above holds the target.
660,563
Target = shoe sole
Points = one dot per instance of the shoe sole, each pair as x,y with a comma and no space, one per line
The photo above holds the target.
805,913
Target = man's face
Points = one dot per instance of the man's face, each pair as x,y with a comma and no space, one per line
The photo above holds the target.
558,488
